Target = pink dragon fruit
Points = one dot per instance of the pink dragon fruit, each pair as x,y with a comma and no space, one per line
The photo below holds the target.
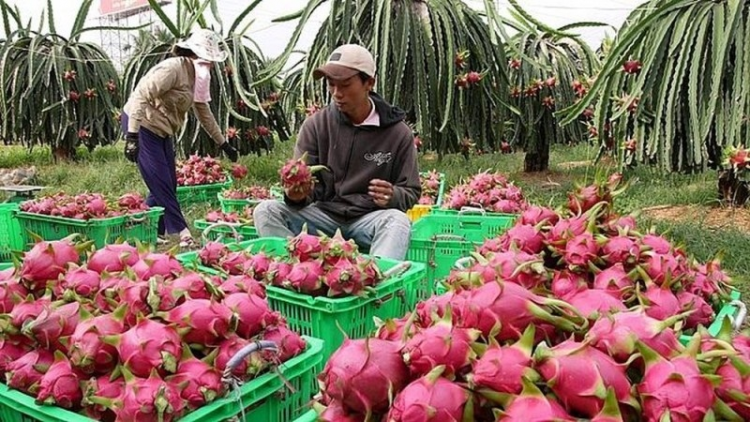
289,343
584,198
490,246
433,308
204,322
675,387
26,372
10,292
23,313
621,250
363,374
146,399
103,387
703,313
305,246
278,272
566,284
60,385
369,270
343,278
531,406
620,224
708,279
431,397
657,244
256,266
54,324
581,251
46,261
336,247
191,286
253,313
201,381
397,330
211,253
83,282
252,365
147,346
593,303
88,352
618,333
535,215
579,375
10,352
335,412
734,388
234,263
524,237
113,258
243,284
153,264
566,229
664,268
441,344
306,277
501,368
660,303
615,281
516,267
504,310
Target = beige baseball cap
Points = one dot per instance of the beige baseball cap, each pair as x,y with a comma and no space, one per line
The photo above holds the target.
345,62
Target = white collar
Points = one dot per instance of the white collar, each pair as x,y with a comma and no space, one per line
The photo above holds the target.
373,119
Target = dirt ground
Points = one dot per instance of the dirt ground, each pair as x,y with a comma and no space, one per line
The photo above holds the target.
712,217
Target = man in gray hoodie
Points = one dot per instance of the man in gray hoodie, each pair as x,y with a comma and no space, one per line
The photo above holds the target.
373,175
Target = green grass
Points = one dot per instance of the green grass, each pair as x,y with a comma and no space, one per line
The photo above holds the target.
105,170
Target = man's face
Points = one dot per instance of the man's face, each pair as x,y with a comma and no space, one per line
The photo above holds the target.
349,94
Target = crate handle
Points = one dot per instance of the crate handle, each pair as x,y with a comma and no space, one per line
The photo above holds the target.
397,270
438,237
472,210
741,314
132,219
232,226
380,302
227,377
463,263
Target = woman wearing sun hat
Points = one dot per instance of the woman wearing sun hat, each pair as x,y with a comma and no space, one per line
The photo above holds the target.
155,112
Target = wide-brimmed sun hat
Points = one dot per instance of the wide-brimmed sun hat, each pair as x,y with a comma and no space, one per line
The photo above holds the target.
206,44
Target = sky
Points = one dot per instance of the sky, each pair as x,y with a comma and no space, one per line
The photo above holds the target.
273,37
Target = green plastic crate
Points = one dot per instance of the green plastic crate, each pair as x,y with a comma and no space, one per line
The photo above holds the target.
235,205
142,226
439,240
332,318
266,398
187,195
224,233
728,310
10,231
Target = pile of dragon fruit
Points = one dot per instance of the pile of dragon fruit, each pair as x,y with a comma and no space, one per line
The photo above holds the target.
489,191
197,170
314,265
569,314
85,206
430,187
254,192
215,216
129,334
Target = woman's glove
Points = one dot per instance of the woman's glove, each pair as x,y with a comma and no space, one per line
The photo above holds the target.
131,147
230,151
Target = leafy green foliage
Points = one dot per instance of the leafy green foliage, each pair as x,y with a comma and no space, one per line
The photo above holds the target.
672,89
416,44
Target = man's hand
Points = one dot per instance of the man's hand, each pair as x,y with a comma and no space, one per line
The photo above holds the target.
299,194
230,151
131,146
381,192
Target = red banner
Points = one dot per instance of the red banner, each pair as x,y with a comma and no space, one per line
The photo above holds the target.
116,6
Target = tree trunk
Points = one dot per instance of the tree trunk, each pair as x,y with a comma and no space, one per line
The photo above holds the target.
536,160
